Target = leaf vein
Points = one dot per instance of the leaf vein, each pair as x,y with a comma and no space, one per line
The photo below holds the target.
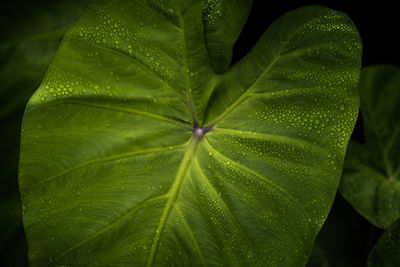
120,109
191,234
105,159
142,64
265,136
110,226
172,195
261,177
225,207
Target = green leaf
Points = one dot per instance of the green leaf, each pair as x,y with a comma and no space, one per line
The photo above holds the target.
386,253
371,175
223,21
111,173
345,239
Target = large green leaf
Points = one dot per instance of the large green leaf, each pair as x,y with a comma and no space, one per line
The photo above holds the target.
32,33
111,173
371,175
386,253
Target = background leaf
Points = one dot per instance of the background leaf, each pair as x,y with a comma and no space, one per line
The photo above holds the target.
386,253
371,176
346,238
109,171
27,43
223,20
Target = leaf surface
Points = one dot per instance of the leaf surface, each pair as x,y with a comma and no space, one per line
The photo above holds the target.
223,21
135,152
386,252
371,176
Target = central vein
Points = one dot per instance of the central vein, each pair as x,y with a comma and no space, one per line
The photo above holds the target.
173,194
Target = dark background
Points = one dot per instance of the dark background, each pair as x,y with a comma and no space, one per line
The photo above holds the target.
346,237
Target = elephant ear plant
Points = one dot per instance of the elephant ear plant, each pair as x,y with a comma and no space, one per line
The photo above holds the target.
371,175
134,151
386,252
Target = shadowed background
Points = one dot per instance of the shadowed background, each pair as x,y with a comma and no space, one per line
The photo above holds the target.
30,34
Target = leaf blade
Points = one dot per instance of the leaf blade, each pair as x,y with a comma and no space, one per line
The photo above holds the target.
386,251
208,205
370,182
223,21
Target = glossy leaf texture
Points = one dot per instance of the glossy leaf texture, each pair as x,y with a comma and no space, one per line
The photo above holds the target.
386,253
111,174
29,37
371,175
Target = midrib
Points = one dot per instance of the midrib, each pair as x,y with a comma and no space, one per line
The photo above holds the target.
182,170
172,195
